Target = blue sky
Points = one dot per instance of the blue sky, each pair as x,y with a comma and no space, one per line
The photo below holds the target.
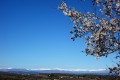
35,34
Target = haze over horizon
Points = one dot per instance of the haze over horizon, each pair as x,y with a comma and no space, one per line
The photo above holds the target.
53,69
35,34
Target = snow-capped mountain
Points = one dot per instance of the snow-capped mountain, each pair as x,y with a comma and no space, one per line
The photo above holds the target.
57,70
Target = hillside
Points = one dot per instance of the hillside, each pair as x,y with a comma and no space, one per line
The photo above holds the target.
54,76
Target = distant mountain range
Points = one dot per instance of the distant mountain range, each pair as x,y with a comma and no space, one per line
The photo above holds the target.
64,71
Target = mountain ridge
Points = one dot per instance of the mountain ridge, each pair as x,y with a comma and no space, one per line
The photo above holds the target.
55,70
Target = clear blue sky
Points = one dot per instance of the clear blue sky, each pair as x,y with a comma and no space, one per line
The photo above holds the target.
35,34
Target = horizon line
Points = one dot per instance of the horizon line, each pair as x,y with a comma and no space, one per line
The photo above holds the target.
61,69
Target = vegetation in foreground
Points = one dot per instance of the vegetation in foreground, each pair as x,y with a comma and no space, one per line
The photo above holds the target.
54,76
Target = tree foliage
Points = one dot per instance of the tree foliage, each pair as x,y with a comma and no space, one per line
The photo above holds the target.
104,31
